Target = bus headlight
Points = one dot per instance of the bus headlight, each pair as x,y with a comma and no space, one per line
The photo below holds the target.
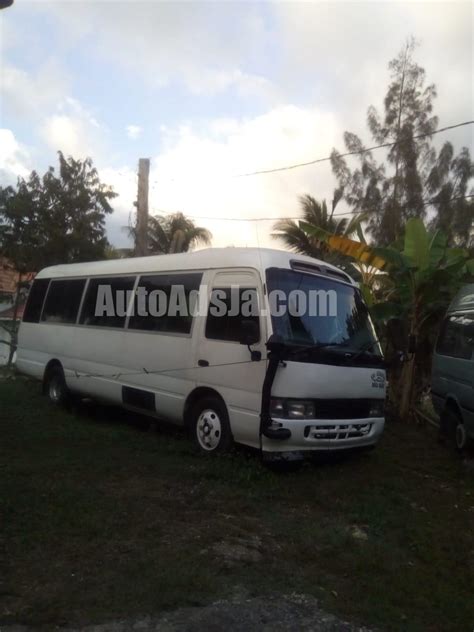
377,408
292,409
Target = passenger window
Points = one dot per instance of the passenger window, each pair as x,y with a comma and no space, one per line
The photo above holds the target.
228,308
35,301
163,302
457,336
106,301
63,300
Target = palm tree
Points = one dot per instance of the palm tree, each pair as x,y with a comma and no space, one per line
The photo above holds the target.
173,233
315,214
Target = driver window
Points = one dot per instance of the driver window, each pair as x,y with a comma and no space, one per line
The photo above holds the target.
228,308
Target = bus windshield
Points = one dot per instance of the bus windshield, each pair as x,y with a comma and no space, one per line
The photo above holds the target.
308,309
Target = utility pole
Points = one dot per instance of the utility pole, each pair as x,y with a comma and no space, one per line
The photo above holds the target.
141,238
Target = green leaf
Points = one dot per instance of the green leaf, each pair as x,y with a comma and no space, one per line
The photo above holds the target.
367,294
437,248
470,266
417,244
454,256
360,234
385,311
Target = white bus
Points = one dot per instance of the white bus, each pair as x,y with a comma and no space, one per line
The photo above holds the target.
283,381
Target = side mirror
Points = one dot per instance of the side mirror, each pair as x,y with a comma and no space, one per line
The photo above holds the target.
249,332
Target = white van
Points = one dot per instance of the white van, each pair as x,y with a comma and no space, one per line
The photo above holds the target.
280,382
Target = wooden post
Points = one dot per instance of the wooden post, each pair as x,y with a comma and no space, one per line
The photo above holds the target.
141,238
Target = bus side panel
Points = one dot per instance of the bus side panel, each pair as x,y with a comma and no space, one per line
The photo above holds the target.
97,362
163,364
31,355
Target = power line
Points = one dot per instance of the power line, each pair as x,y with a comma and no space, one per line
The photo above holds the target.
275,219
350,153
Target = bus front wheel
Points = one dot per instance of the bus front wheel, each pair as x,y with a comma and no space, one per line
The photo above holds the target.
210,426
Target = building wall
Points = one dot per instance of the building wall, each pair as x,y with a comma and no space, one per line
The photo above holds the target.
8,276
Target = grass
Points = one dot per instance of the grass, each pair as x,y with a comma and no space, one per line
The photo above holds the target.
102,519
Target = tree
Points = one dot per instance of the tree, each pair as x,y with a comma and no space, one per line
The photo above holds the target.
393,191
422,275
56,218
315,214
448,184
53,219
173,233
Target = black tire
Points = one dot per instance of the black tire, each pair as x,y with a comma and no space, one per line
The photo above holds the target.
210,427
56,388
453,428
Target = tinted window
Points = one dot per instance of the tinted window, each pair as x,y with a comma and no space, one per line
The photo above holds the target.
106,301
35,301
228,309
163,302
457,336
336,313
63,300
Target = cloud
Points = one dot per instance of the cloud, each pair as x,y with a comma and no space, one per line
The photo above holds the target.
73,130
14,158
207,47
315,67
339,52
40,100
123,180
134,131
28,95
194,173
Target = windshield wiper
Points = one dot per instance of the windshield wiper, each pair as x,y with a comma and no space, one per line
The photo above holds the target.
318,346
362,350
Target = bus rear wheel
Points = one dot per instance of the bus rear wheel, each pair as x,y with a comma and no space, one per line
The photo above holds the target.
455,430
210,426
55,387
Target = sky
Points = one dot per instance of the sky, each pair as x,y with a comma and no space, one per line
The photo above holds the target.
212,90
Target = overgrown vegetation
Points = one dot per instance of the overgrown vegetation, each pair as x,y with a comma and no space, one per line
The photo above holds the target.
171,234
422,274
317,214
414,179
417,208
56,218
101,519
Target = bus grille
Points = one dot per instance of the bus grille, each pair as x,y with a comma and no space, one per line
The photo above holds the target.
342,408
337,432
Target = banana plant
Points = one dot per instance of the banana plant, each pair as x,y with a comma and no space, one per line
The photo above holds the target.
420,277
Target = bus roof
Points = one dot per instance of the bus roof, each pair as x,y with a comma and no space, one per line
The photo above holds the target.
208,258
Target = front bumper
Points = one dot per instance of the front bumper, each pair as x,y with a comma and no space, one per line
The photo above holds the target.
326,434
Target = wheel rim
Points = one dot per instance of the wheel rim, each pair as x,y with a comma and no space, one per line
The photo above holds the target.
55,390
460,436
208,430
